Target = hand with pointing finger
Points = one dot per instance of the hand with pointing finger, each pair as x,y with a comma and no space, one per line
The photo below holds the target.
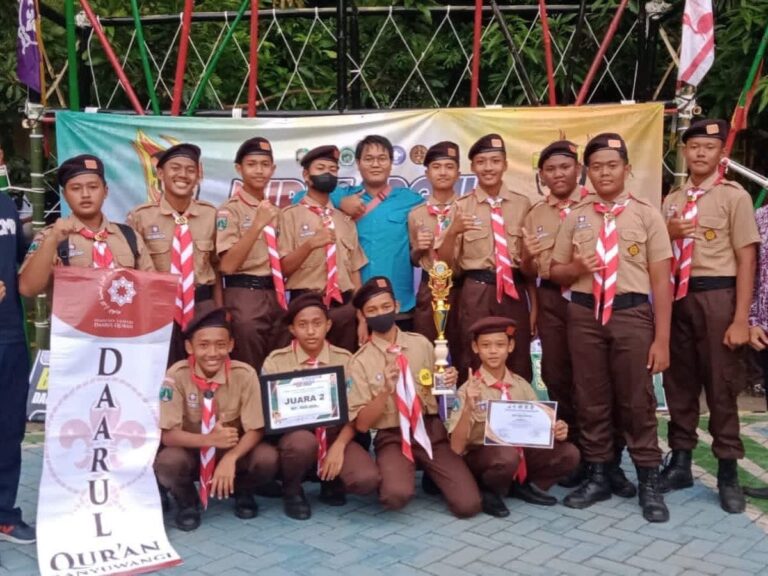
680,228
532,243
584,263
463,222
424,237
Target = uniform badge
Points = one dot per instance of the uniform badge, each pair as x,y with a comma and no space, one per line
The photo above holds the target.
633,250
166,394
248,222
305,231
192,400
539,230
33,247
425,377
222,220
581,223
379,377
73,251
710,235
154,233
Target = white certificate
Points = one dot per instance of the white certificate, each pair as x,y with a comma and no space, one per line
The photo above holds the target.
520,423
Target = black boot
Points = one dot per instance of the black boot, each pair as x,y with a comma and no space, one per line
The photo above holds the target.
245,506
188,509
332,493
620,484
676,474
595,488
731,496
574,478
297,507
493,505
651,500
532,494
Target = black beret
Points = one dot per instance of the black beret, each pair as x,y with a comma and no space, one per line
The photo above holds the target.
559,148
306,300
329,152
375,285
442,151
606,141
182,150
83,164
207,315
488,143
493,325
707,129
253,146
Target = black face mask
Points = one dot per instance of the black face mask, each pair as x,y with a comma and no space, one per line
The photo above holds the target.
324,183
381,323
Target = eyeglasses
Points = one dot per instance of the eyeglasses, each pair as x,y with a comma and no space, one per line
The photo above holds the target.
371,160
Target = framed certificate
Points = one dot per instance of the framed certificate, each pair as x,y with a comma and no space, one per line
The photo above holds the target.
520,423
303,399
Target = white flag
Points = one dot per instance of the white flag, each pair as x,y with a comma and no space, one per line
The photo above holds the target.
697,52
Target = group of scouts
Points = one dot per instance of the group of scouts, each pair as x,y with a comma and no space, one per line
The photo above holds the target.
611,285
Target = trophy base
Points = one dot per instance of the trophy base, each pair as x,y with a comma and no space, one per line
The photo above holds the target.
439,387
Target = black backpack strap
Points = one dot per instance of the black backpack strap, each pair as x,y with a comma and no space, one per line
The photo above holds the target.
130,237
62,251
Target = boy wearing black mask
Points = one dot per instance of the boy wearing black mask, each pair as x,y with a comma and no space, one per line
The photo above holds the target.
319,248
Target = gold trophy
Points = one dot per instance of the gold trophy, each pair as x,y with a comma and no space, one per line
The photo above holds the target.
440,283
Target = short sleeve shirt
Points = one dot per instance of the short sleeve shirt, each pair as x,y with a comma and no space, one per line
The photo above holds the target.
233,220
293,357
421,217
12,250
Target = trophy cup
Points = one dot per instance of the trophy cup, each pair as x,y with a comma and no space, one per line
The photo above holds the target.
440,284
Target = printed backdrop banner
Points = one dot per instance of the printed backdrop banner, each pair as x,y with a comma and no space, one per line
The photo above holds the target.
99,508
128,145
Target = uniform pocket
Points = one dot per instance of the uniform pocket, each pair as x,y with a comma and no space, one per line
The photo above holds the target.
633,244
203,249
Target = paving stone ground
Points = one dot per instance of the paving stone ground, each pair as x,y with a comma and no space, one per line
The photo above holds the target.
363,540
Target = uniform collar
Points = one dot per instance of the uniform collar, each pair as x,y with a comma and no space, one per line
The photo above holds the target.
324,358
312,202
248,199
574,196
384,345
432,201
220,377
489,379
482,195
709,183
165,208
105,224
623,197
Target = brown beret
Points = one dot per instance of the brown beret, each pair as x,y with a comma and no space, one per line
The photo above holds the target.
707,129
207,315
559,148
329,152
606,141
253,146
442,151
306,300
493,325
488,143
83,164
375,285
182,150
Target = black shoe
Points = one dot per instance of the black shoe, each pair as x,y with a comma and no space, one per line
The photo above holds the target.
245,506
297,507
271,489
574,478
731,495
188,518
532,494
595,488
761,493
620,484
429,486
676,474
165,501
493,505
332,493
651,500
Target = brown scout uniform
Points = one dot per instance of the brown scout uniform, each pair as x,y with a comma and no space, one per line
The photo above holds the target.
359,473
495,466
249,294
610,362
155,223
476,263
446,468
297,224
237,404
726,223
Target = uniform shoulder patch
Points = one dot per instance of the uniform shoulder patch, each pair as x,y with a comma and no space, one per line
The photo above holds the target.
166,393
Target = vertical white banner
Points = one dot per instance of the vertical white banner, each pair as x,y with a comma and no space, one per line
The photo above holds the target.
99,508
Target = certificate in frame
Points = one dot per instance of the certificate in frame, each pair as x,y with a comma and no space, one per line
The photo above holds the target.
524,424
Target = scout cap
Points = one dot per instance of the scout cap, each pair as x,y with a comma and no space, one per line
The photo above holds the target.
442,151
208,315
488,143
329,152
183,150
493,325
706,128
606,141
375,286
83,164
306,300
559,148
252,147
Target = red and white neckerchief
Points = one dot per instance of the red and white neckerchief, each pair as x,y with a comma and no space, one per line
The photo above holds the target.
505,283
522,468
565,206
207,453
409,407
102,255
270,237
183,264
440,212
607,252
332,290
682,248
320,432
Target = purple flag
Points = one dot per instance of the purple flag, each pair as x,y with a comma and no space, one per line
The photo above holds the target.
27,50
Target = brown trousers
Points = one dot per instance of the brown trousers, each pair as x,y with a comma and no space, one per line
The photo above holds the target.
495,467
446,468
556,368
343,332
359,473
611,375
295,453
424,323
478,300
257,324
701,360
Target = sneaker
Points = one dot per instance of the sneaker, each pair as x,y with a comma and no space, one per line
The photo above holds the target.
21,533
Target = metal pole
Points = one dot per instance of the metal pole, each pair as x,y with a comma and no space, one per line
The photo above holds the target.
478,28
568,57
601,53
526,82
181,61
686,106
341,56
253,58
548,52
354,48
37,198
112,58
74,90
144,58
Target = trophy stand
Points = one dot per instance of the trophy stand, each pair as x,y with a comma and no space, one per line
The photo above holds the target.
440,282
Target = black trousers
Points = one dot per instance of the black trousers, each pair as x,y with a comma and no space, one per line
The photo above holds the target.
14,371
